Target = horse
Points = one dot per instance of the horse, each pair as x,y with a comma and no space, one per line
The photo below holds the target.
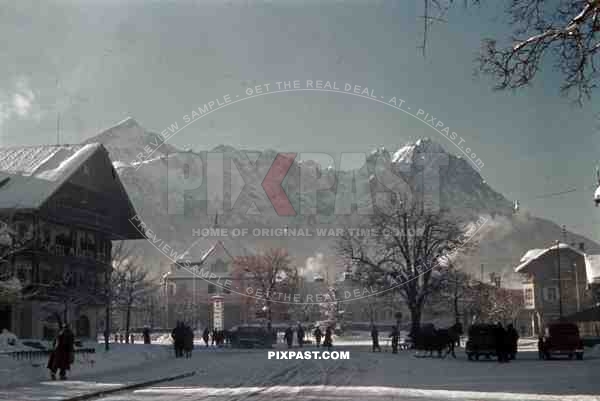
428,338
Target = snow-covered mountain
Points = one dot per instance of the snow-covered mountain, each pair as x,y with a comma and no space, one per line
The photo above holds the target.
158,191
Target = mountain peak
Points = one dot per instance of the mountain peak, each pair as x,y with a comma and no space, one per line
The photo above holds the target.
127,139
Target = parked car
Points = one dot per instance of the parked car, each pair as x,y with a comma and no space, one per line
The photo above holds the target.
561,339
481,342
251,337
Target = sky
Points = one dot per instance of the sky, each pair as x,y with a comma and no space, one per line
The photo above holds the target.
98,62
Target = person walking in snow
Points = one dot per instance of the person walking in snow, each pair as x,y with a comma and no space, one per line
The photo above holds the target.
500,339
375,338
178,337
63,353
206,335
146,335
395,335
328,341
289,336
300,335
318,334
188,341
513,340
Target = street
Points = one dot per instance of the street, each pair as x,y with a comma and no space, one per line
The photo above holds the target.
249,374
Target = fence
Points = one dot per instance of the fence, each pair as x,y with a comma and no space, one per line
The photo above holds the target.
40,354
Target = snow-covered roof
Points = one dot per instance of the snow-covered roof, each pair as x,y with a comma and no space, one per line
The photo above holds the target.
592,268
186,273
34,173
404,154
592,262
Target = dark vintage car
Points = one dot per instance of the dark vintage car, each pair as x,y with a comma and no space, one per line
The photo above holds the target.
481,342
251,337
561,339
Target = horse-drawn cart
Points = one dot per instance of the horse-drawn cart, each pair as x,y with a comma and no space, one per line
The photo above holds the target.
481,342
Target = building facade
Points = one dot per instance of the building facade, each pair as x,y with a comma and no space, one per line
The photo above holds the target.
558,282
63,206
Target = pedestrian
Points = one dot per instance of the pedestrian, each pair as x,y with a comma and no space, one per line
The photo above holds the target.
131,339
146,335
318,334
188,341
116,338
205,336
500,342
513,341
375,338
177,335
300,334
328,341
395,335
121,338
63,353
214,336
289,336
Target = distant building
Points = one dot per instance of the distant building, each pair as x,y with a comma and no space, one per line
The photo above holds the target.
67,204
543,292
189,286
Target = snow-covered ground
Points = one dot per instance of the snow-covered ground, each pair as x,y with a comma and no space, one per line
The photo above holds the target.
229,374
16,372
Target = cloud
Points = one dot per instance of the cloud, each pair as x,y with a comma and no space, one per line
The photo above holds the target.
19,101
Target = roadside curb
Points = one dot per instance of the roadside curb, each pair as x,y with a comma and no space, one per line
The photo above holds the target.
133,386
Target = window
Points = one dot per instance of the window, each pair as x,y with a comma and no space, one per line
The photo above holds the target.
528,297
551,294
212,289
219,267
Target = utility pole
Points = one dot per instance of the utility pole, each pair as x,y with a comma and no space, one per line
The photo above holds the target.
577,287
560,309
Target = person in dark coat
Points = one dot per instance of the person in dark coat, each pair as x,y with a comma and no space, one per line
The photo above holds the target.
513,341
206,335
289,336
328,341
318,334
178,337
131,339
146,335
63,353
300,334
500,339
375,338
188,341
395,336
214,337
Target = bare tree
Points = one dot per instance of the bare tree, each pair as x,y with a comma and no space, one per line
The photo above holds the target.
270,273
564,34
131,285
457,292
12,242
405,253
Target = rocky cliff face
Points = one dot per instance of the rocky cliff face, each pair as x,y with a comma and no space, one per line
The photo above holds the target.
171,191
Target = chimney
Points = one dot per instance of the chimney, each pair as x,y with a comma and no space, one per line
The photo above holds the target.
582,247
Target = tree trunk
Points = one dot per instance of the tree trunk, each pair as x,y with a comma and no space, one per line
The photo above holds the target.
415,319
65,312
127,323
107,327
269,316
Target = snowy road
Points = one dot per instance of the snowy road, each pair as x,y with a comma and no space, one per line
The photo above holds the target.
250,375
